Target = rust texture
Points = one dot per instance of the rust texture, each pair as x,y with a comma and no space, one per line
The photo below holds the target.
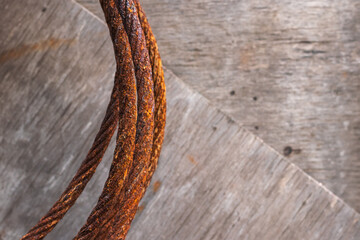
130,197
125,143
118,228
138,107
84,173
159,89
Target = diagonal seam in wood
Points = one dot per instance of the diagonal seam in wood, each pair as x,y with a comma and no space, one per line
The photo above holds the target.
232,119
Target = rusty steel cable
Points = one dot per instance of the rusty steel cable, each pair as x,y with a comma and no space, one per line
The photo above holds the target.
159,89
116,226
84,173
123,155
135,187
138,105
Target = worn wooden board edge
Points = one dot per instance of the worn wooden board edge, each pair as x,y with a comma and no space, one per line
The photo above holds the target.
95,11
192,117
258,139
51,106
286,74
201,198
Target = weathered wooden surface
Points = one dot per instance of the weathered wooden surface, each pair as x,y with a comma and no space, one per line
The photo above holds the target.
215,179
56,81
286,70
218,181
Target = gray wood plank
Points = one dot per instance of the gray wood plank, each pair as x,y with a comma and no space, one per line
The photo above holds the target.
56,71
215,179
219,181
286,70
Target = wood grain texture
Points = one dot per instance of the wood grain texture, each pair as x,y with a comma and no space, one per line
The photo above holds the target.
215,179
219,181
286,70
57,75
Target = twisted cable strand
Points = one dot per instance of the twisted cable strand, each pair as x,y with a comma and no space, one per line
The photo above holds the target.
123,155
159,89
84,173
131,196
145,126
138,141
120,225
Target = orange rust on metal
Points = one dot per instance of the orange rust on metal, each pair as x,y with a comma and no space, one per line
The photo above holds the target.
159,89
84,173
122,224
125,143
129,198
138,105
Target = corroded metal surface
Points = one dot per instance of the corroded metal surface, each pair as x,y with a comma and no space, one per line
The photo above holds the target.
286,74
159,89
124,216
125,144
85,172
132,106
243,190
